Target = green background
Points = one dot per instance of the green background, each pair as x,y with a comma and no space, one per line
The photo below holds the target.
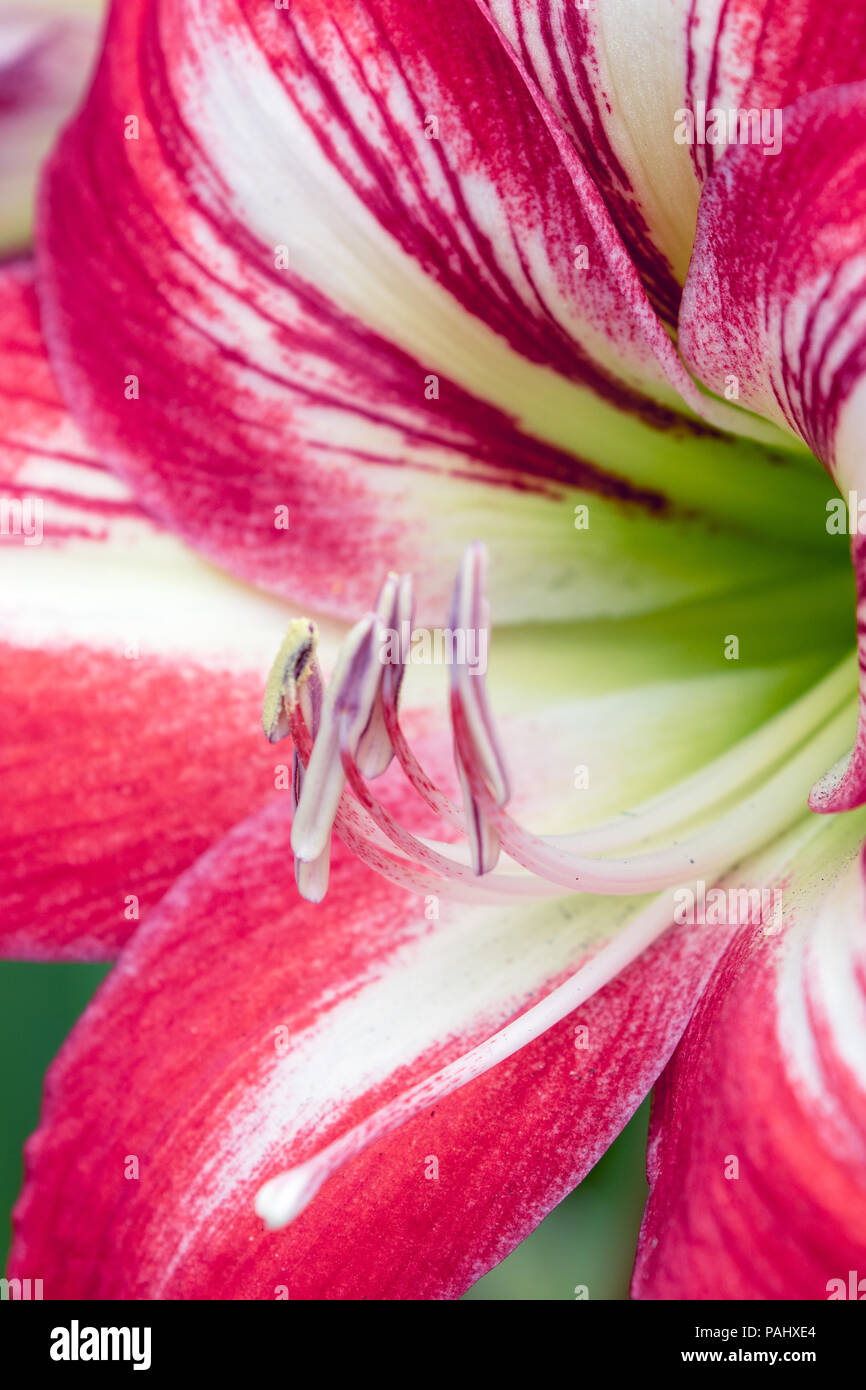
588,1240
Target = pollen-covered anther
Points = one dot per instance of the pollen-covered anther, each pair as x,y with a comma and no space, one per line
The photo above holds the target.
294,664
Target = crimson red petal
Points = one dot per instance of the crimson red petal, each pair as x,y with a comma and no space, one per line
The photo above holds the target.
758,1132
242,1029
130,680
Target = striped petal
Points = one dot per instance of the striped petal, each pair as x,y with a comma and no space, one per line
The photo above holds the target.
758,1135
347,263
130,680
790,328
622,77
47,48
416,1049
305,1023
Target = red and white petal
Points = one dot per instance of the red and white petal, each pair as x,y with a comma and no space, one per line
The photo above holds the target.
758,1134
47,48
620,75
615,73
765,54
391,336
790,327
183,1089
130,680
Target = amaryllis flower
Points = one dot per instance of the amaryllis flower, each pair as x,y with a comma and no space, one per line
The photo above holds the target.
517,304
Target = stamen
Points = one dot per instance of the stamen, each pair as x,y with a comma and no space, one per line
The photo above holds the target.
394,608
348,702
416,850
423,783
295,685
312,878
358,823
476,751
745,826
290,671
479,746
480,830
364,693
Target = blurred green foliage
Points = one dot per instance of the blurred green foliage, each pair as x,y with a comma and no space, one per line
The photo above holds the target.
38,1006
588,1240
